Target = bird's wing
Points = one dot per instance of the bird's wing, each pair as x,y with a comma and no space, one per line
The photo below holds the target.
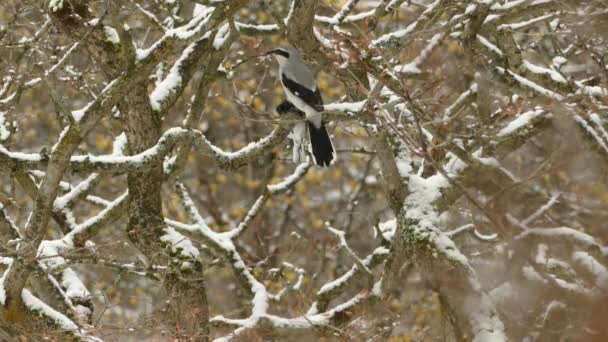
310,97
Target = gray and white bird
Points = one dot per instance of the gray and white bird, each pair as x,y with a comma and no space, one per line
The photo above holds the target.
302,93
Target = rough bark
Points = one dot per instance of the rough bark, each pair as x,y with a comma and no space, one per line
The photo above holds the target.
186,310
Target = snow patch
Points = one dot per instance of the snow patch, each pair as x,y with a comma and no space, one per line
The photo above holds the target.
172,81
529,84
539,70
400,34
61,136
9,262
221,36
346,107
489,45
36,305
419,208
55,5
414,66
201,16
119,146
388,228
589,263
74,288
63,201
179,243
592,132
521,121
4,132
559,61
111,35
78,114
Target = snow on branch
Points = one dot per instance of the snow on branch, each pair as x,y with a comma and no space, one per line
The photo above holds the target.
401,34
62,60
531,85
57,318
419,211
169,140
594,267
257,29
522,120
179,244
599,124
272,189
471,227
345,107
222,35
600,138
38,306
146,59
488,45
87,229
414,66
540,211
419,226
508,5
168,86
234,160
79,114
9,262
463,100
150,16
310,320
7,225
290,180
67,187
339,17
418,232
184,32
565,233
300,322
591,90
524,24
51,258
539,70
343,244
76,192
331,290
298,284
222,243
351,18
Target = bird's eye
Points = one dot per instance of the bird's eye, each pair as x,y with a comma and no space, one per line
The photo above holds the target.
282,53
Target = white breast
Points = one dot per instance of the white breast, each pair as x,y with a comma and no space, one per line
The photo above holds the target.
311,114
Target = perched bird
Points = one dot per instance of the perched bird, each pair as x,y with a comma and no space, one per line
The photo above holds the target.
302,93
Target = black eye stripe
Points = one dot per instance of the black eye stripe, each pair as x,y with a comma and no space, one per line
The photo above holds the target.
281,53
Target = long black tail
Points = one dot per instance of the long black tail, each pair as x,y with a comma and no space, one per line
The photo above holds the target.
322,148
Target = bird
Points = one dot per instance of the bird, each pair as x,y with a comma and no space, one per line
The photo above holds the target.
301,92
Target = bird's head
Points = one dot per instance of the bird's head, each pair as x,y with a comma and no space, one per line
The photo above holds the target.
281,54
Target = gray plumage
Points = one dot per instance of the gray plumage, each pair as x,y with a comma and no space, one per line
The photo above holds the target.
296,69
302,93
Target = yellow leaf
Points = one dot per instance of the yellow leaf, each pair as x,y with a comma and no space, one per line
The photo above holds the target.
454,47
291,276
317,224
252,184
102,142
258,104
220,179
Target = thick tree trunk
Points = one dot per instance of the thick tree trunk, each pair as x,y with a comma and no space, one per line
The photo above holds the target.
186,314
143,129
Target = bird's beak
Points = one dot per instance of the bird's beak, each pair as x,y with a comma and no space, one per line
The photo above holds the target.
271,52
